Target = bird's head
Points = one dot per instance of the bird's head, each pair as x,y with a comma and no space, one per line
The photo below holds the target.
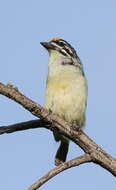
61,49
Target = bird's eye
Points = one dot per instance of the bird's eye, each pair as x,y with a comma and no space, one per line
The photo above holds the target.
61,43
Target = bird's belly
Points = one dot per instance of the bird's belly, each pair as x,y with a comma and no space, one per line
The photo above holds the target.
68,101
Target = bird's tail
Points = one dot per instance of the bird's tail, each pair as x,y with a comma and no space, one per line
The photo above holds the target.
62,152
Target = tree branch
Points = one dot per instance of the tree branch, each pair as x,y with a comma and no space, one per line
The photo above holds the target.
66,165
38,123
97,154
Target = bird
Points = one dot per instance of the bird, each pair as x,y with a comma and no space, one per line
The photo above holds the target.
66,90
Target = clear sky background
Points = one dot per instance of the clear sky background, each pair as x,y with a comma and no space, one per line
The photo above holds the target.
90,26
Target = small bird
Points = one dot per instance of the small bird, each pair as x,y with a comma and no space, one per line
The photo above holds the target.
66,89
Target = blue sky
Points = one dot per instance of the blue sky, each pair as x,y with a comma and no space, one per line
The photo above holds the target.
90,26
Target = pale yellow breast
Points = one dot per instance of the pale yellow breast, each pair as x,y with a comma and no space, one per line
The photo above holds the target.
66,95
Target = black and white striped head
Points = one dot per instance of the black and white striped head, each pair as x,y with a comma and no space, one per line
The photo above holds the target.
65,49
61,46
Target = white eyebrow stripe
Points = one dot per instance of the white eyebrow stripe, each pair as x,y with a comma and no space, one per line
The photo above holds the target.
60,48
63,50
53,43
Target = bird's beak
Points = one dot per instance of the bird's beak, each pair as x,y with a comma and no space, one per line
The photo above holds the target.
47,45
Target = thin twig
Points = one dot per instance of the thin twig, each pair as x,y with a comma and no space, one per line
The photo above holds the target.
66,165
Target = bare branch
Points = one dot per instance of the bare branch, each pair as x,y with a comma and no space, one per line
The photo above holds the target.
23,126
72,163
97,154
